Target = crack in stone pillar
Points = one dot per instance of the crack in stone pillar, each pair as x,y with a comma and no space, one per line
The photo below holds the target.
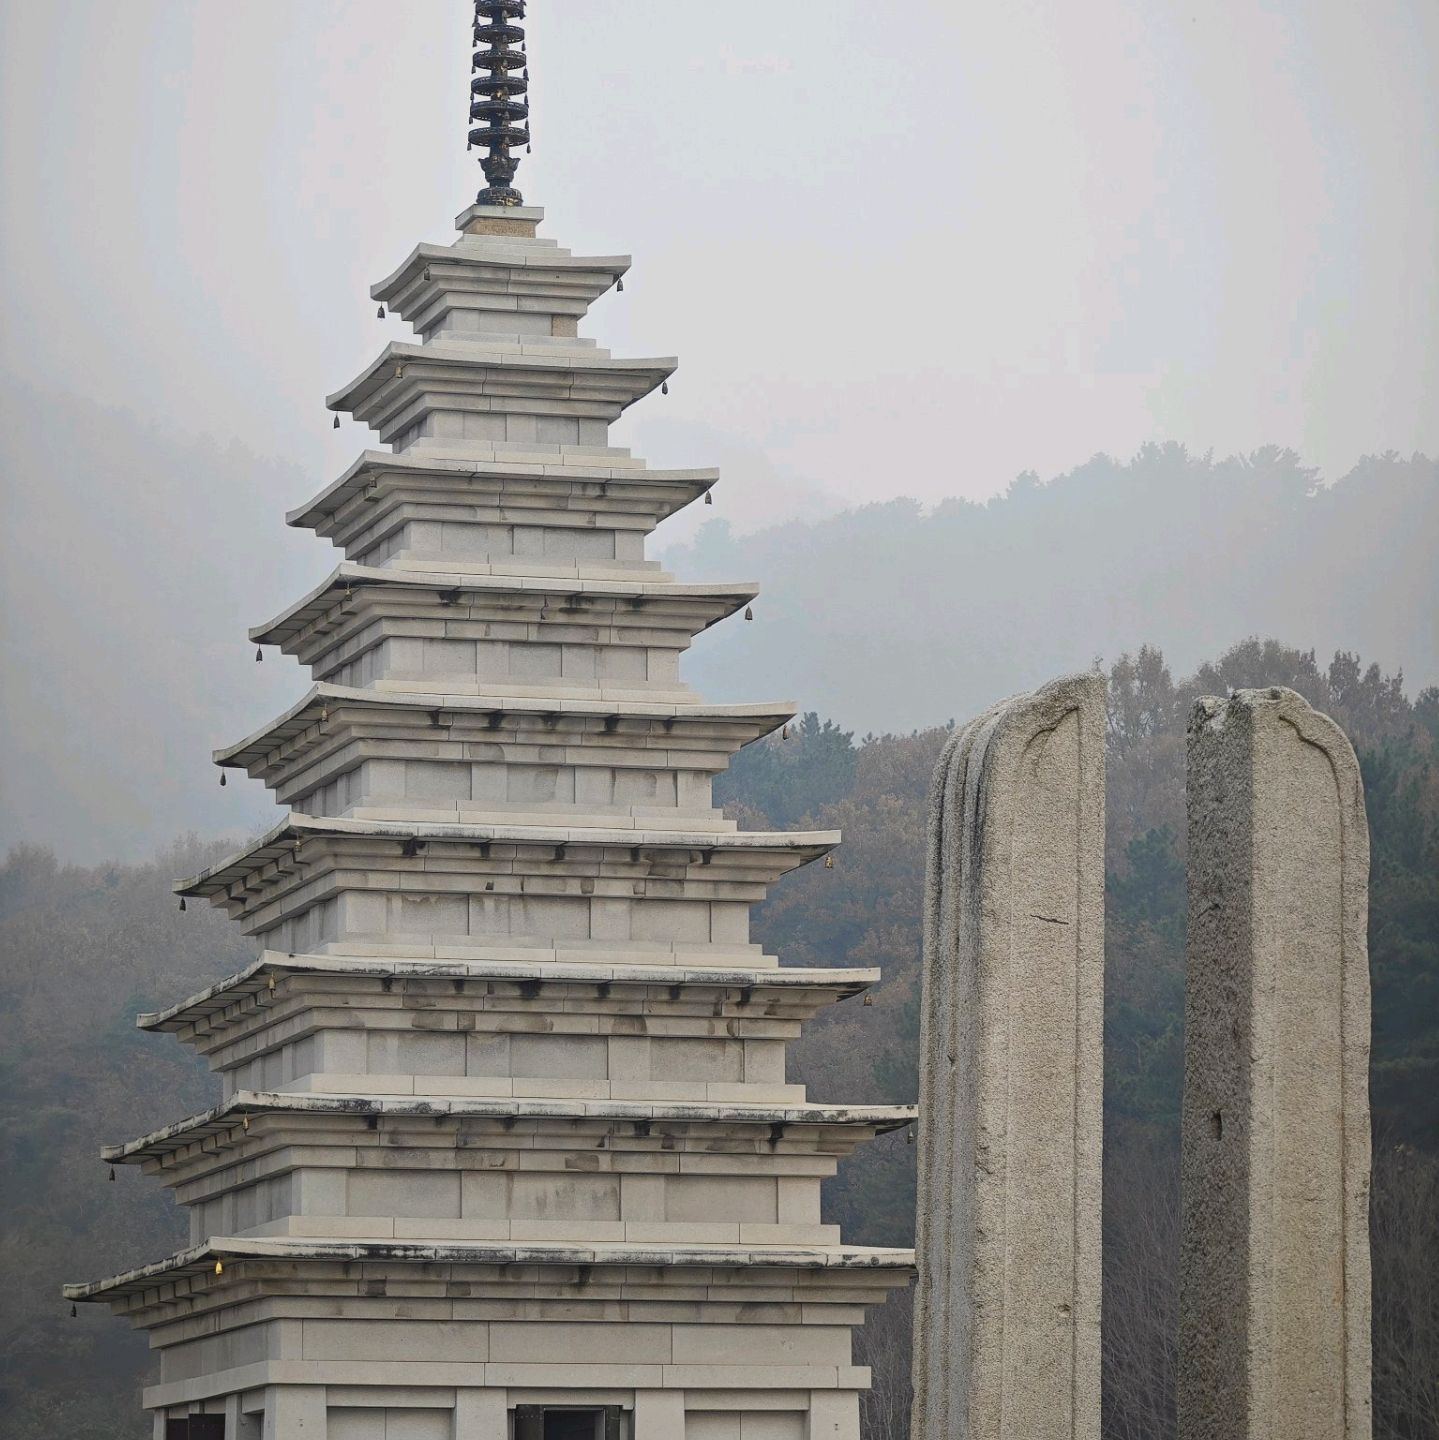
1274,1268
1011,1082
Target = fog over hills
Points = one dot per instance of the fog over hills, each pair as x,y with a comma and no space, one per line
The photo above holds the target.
140,555
890,617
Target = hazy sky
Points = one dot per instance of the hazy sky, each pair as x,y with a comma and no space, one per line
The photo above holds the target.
881,239
910,249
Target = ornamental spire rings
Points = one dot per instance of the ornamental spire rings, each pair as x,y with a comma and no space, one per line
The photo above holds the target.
499,113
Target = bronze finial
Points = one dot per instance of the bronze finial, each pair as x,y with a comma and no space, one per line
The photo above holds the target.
499,113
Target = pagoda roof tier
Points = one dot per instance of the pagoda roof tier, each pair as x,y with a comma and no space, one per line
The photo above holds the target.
354,596
490,273
218,1003
790,848
518,483
197,1264
223,1121
304,860
541,377
330,715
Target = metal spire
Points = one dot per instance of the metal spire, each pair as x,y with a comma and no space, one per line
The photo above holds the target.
499,114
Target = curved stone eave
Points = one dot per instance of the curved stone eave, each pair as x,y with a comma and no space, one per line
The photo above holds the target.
221,1120
637,377
200,1260
526,254
373,464
279,842
837,983
347,577
753,720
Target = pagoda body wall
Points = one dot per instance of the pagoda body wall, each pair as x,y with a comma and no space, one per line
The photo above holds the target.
506,1145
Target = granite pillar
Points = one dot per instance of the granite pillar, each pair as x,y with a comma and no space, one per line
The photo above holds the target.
1274,1281
1007,1309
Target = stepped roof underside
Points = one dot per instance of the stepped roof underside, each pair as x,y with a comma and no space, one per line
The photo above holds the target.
254,979
199,1260
223,1120
786,847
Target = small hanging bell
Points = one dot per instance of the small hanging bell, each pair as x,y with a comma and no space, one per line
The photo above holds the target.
909,1134
379,315
219,1267
664,387
336,425
259,654
73,1312
829,862
709,499
748,613
112,1174
619,284
784,732
223,781
182,903
869,999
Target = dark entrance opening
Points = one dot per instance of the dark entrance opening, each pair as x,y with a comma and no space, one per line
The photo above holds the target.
196,1427
568,1422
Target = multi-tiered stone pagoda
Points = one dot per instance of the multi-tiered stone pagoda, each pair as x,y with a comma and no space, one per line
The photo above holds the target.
506,1147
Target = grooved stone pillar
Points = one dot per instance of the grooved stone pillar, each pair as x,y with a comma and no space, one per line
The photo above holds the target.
1274,1269
481,1414
1011,1078
659,1414
295,1412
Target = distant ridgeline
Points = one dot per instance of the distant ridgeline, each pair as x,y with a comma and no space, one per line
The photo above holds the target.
954,605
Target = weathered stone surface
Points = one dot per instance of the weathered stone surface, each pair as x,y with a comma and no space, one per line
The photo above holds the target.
1007,1311
1274,1287
521,901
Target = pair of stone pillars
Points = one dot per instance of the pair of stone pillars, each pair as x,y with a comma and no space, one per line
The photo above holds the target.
1274,1330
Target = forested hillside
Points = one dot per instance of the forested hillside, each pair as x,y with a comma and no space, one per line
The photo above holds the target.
867,911
83,949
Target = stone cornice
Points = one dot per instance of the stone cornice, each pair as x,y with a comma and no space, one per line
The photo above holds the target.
457,595
406,381
223,1121
597,482
757,982
290,737
200,1261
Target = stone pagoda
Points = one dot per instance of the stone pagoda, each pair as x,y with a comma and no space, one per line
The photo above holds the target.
505,1149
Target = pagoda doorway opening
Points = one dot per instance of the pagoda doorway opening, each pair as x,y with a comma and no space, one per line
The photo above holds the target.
195,1427
569,1422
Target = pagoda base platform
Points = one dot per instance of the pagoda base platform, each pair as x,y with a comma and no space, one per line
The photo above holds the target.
344,1341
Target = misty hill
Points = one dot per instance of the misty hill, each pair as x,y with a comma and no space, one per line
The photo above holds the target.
149,551
889,617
